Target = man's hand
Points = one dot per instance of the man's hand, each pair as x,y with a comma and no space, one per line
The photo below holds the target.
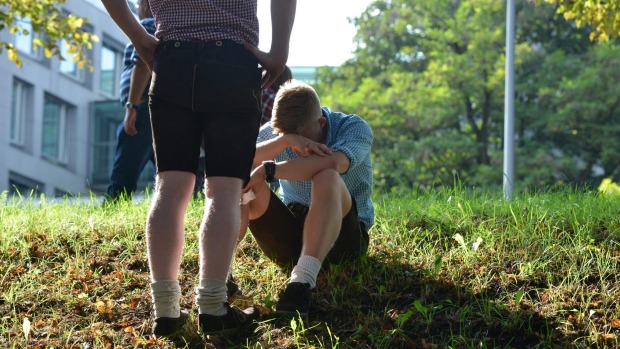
146,49
304,147
272,65
129,123
259,175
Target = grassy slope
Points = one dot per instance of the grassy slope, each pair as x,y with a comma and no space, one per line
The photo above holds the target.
539,271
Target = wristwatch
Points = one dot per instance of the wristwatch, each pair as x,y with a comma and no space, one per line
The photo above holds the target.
270,170
130,105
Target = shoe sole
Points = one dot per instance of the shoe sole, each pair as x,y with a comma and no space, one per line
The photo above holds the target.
282,314
228,331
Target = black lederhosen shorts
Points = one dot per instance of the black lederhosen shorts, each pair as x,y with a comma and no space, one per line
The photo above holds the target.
279,234
205,93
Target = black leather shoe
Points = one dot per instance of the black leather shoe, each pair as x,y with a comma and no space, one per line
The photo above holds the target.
235,319
294,300
167,326
232,288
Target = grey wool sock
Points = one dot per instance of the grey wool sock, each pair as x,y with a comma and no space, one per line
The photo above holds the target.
306,270
211,296
166,295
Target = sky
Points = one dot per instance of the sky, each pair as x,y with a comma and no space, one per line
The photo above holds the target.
322,34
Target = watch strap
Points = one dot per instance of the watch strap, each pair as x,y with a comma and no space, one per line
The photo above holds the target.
270,170
130,105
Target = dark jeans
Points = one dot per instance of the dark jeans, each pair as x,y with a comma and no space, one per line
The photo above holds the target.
132,155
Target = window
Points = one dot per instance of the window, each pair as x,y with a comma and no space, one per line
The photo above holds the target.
24,41
56,126
20,103
107,117
24,186
110,69
69,66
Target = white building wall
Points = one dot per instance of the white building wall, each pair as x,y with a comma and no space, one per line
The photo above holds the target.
45,77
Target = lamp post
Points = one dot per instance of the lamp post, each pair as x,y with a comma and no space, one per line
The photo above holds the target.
509,98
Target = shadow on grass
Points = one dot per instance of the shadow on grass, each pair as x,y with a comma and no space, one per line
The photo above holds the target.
382,303
379,302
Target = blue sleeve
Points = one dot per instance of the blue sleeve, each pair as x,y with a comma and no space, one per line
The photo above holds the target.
354,139
265,133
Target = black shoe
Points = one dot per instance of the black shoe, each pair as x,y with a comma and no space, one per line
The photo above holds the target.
167,326
234,320
232,289
294,300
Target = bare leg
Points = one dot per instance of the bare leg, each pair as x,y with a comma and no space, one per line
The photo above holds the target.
255,208
331,201
220,226
165,223
164,241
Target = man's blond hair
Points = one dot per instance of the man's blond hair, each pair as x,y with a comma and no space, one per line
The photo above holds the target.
295,104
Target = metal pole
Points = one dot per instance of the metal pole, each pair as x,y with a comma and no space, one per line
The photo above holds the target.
509,110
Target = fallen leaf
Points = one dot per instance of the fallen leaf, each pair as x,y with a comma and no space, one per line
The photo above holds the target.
26,327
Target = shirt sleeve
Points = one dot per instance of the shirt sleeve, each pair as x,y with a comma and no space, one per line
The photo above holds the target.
265,133
354,139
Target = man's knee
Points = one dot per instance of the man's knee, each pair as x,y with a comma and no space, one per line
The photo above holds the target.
328,186
327,178
258,206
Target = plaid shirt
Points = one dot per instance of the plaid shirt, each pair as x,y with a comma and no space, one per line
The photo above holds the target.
351,135
269,95
129,61
206,20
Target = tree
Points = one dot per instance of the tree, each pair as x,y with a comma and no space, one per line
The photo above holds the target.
428,76
433,71
602,15
54,27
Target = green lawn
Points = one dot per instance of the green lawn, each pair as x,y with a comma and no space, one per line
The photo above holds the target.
451,268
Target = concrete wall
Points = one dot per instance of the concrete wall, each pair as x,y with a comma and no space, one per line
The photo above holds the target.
44,76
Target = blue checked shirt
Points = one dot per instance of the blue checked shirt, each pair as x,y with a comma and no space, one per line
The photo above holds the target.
351,135
129,61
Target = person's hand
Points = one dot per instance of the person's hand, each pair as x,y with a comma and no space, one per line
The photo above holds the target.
259,175
129,123
303,146
272,65
146,49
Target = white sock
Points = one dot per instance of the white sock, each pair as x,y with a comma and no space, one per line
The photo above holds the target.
166,295
306,270
210,297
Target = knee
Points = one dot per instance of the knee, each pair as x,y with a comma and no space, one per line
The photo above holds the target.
326,176
328,179
176,186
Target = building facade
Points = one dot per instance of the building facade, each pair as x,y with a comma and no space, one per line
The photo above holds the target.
58,122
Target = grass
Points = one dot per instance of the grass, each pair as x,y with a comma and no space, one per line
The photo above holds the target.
446,269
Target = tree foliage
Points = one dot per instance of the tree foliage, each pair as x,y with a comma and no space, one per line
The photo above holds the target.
602,15
54,27
428,76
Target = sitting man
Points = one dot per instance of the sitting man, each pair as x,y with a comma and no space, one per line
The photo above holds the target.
322,161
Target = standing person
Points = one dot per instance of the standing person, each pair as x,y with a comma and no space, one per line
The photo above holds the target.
206,88
134,142
322,161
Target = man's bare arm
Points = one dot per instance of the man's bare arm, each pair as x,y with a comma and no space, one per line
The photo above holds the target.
143,42
273,62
